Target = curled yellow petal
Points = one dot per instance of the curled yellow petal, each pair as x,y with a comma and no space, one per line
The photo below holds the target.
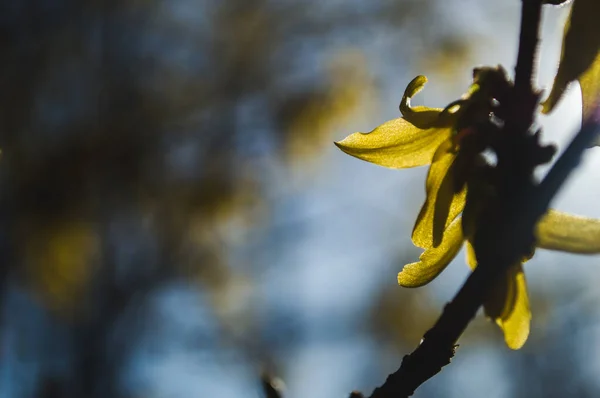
579,57
567,232
433,260
420,116
442,203
396,144
508,305
405,142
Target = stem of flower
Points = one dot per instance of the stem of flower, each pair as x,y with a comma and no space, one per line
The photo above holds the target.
528,43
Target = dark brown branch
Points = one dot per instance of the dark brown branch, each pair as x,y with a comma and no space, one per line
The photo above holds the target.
438,344
528,43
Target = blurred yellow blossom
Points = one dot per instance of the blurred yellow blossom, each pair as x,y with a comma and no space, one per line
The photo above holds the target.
60,261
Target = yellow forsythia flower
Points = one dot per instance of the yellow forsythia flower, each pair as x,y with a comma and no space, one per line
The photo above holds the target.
434,136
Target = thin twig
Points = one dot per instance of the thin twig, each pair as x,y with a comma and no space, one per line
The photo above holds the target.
568,161
528,43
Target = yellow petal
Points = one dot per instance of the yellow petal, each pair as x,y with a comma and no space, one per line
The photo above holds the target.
396,144
405,142
508,305
420,116
442,204
433,260
470,254
567,232
590,89
579,53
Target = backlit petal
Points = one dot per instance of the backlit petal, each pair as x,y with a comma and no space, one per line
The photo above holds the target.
567,232
420,116
433,260
405,142
471,258
579,56
396,144
442,204
508,305
590,89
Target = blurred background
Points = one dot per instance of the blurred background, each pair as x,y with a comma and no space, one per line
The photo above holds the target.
175,220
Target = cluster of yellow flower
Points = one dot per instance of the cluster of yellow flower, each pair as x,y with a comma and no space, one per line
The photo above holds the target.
442,139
